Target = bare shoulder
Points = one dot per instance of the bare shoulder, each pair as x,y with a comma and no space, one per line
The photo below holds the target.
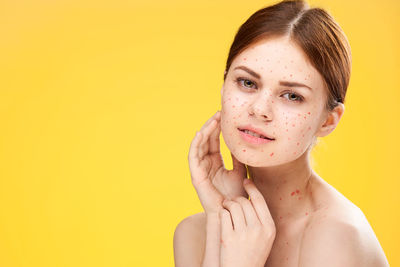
339,234
189,240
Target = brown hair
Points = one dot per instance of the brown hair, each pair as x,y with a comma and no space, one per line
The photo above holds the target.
314,30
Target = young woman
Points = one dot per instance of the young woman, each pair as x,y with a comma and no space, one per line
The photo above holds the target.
284,85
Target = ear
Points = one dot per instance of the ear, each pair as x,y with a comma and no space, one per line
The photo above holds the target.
331,120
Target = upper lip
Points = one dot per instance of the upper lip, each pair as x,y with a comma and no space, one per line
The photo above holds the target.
256,130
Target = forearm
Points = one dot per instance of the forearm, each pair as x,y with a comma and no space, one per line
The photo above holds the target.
211,257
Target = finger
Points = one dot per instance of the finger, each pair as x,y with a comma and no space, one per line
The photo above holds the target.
249,211
226,223
236,211
194,149
238,166
204,143
258,201
214,139
215,116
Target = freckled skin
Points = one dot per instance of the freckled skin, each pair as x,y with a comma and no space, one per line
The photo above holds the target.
267,105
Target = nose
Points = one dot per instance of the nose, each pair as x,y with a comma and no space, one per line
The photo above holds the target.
261,107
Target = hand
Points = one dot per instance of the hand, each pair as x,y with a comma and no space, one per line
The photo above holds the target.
212,181
247,238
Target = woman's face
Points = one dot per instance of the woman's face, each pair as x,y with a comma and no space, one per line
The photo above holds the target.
291,115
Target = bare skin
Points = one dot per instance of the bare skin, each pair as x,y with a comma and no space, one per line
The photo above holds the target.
315,225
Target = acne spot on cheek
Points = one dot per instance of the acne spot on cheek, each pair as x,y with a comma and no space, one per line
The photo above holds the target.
244,150
308,113
271,154
293,125
298,143
280,217
290,75
309,127
306,213
233,106
287,130
244,58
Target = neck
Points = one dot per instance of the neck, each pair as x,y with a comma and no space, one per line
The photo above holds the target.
286,188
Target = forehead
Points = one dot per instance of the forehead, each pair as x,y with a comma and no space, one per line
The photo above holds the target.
283,57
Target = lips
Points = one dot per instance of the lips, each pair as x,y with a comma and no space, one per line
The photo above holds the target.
256,130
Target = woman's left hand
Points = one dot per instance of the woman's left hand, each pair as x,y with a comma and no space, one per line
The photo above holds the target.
247,230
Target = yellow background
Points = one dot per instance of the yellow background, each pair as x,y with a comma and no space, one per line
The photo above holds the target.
99,103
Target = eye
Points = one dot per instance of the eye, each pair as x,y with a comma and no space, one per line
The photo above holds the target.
293,97
245,83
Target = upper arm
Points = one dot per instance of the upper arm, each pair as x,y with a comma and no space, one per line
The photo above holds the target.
189,239
332,244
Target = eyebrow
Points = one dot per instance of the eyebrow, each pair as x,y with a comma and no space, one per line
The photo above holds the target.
284,83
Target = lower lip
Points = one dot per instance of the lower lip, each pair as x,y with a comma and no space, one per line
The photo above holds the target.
252,139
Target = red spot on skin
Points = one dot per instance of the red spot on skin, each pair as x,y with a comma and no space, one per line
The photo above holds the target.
262,150
287,258
288,138
306,213
299,198
272,101
297,191
270,71
287,130
308,113
285,67
256,59
244,58
286,123
298,114
290,75
310,193
271,154
304,117
280,217
280,198
293,125
287,243
292,194
309,127
294,153
229,98
298,143
233,106
244,150
303,135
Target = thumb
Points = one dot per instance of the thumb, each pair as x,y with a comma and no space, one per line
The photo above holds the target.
238,166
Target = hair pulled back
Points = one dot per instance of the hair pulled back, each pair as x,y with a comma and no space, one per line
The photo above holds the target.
314,30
